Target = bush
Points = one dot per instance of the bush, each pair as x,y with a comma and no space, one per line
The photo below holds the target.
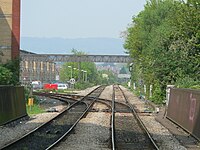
13,67
27,96
81,85
27,93
157,96
195,87
5,76
187,82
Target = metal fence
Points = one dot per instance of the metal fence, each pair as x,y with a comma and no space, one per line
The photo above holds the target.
184,109
12,103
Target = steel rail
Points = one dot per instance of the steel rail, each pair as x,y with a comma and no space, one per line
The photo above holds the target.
139,120
72,127
83,114
39,127
113,121
104,101
80,101
184,129
101,100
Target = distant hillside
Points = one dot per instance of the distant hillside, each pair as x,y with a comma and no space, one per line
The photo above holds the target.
64,46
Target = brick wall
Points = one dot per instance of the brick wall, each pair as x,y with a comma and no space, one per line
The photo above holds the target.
15,28
9,29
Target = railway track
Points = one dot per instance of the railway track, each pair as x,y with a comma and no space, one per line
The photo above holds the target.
128,131
52,132
125,135
121,107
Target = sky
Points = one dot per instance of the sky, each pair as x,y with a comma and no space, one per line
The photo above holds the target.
77,18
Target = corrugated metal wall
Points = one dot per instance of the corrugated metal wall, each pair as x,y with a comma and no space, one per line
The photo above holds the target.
184,109
12,103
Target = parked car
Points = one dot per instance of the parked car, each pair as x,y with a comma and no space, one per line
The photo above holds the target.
36,85
49,86
62,86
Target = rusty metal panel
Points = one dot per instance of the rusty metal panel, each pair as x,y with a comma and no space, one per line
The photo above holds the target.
184,109
12,103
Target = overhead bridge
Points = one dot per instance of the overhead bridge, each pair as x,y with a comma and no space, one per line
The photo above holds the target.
42,67
75,58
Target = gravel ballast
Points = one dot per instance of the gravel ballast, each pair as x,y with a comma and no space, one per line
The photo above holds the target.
92,132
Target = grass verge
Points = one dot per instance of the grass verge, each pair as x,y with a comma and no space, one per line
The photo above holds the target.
35,109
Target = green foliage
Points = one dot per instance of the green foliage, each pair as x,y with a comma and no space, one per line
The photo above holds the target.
35,109
93,76
187,37
107,77
164,42
157,94
36,99
195,87
13,68
62,91
68,70
83,85
187,82
27,93
27,96
5,76
65,72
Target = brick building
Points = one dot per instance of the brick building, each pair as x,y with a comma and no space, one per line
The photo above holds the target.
36,69
9,29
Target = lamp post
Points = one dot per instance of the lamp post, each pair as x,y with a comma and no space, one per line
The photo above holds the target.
85,76
78,74
71,70
74,72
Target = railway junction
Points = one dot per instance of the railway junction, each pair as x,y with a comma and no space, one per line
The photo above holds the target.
106,125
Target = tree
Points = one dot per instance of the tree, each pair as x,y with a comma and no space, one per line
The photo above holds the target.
69,67
164,42
107,77
186,40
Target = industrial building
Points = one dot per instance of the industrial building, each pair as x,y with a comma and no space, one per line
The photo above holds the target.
36,69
